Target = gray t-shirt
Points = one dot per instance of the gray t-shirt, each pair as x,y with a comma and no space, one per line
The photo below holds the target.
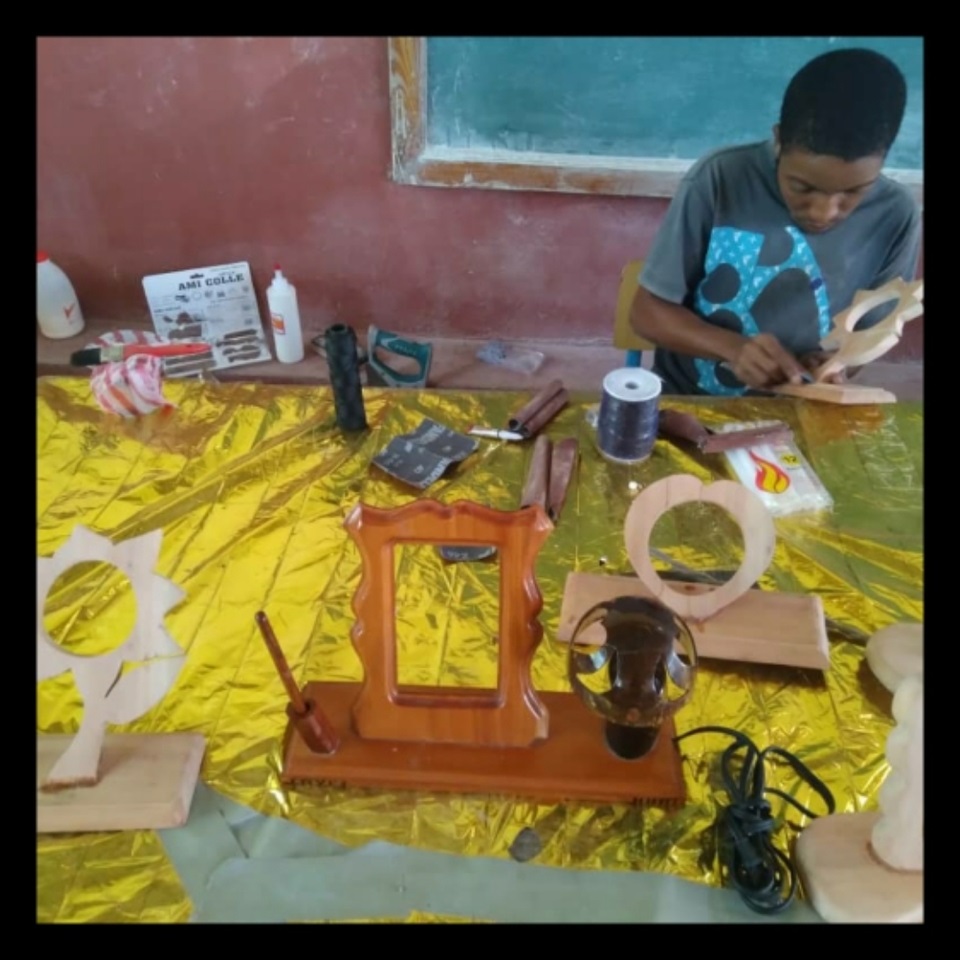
729,251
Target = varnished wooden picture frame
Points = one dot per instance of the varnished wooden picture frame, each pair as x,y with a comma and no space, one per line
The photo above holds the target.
512,715
416,162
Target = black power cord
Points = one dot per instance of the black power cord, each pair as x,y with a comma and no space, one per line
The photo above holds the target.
763,876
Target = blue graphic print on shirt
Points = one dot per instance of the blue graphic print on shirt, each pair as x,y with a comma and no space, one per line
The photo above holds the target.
740,249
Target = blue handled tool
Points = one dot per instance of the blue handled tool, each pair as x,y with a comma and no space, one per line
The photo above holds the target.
380,374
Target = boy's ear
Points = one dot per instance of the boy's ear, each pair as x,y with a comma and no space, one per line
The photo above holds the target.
776,140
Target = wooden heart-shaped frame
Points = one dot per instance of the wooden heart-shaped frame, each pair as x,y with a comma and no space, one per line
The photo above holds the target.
749,511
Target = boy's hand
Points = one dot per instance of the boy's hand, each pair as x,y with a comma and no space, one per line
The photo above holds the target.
813,361
764,362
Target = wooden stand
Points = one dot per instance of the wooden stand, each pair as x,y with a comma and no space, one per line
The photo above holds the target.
511,740
146,782
731,622
844,879
868,867
95,781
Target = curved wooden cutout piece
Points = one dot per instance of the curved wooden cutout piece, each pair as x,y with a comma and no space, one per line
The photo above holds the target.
868,867
511,715
756,525
858,348
897,838
109,698
896,652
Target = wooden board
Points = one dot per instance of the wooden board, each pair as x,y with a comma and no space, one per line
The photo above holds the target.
759,627
573,763
847,394
147,782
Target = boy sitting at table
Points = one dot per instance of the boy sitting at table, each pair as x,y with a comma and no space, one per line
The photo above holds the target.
764,243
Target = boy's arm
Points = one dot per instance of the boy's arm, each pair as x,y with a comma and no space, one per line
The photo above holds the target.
760,361
674,327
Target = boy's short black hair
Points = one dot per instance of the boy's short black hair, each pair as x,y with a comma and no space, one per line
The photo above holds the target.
845,103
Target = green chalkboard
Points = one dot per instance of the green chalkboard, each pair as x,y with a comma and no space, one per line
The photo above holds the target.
659,98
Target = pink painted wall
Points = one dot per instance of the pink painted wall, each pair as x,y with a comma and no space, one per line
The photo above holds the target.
159,154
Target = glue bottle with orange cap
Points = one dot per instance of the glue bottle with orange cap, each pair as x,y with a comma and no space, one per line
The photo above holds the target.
58,310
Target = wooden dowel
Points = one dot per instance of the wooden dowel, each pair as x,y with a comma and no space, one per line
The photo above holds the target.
280,662
545,414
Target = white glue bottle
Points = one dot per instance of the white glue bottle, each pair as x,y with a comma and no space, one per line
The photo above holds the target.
285,318
58,310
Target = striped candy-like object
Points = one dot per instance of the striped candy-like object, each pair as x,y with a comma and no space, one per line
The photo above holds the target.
133,387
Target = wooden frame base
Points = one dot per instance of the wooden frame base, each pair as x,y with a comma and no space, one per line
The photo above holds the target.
843,393
572,763
147,782
845,882
759,627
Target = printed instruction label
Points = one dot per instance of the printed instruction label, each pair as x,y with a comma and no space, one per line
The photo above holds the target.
215,304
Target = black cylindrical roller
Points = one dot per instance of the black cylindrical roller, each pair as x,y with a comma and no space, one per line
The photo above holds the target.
341,346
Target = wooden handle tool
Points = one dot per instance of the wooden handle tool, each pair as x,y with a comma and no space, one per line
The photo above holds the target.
538,474
540,410
563,462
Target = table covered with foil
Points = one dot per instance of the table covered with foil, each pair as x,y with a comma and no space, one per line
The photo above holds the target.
250,485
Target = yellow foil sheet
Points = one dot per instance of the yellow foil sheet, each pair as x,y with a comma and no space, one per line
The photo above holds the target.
251,484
